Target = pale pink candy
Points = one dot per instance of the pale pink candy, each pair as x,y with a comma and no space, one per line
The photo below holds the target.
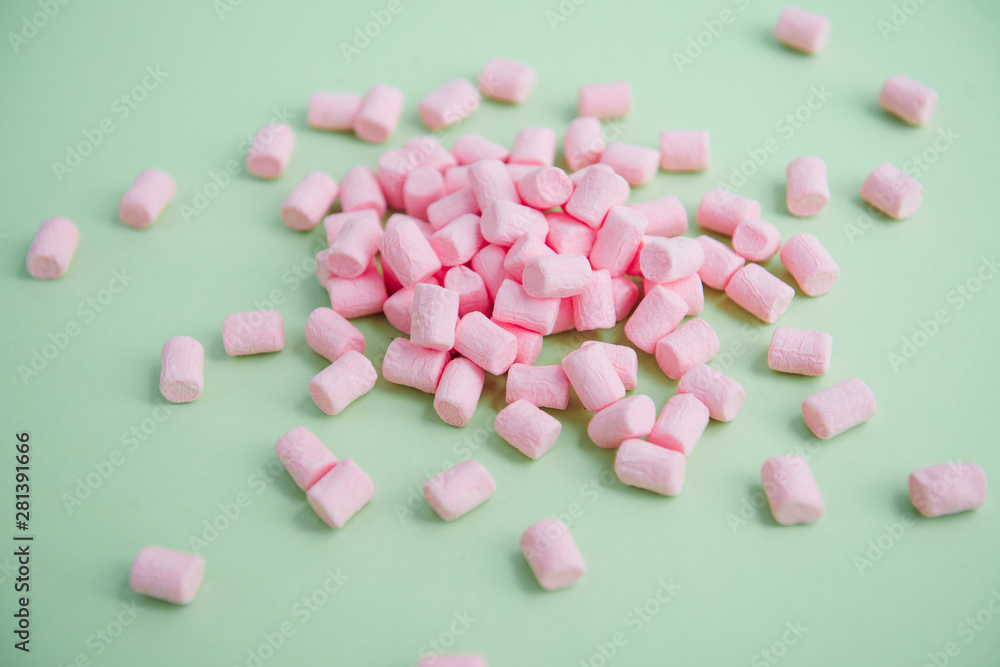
908,99
594,307
472,147
526,248
338,385
485,343
398,309
569,236
529,343
322,270
455,492
689,289
721,211
504,222
604,100
458,392
534,145
271,149
636,164
488,263
583,143
52,248
472,294
333,111
354,246
490,182
810,264
618,240
413,366
519,171
628,418
791,490
760,293
691,344
665,260
552,554
309,201
333,223
146,198
803,30
948,488
595,194
720,264
166,575
892,191
431,152
645,466
448,104
182,369
458,242
434,316
756,240
659,313
531,431
360,189
666,216
408,252
594,378
806,191
329,334
456,178
684,150
507,81
544,386
556,276
393,166
566,319
253,332
341,493
357,297
681,422
622,190
452,661
424,186
623,358
723,395
305,458
379,113
800,351
513,305
626,294
835,409
451,207
545,188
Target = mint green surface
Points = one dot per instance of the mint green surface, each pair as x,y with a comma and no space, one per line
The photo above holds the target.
719,580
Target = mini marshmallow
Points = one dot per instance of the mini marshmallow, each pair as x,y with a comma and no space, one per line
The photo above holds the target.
523,251
721,211
472,147
556,276
583,143
569,236
447,105
596,193
330,335
618,240
309,201
684,150
531,431
835,409
760,293
723,395
636,164
413,366
507,81
271,150
488,263
519,171
803,30
529,343
628,418
690,290
341,493
691,344
459,490
908,99
807,190
359,189
513,305
594,378
552,554
659,313
379,113
681,422
623,358
626,294
504,222
434,316
355,245
338,385
305,458
456,178
393,166
52,248
458,392
182,370
604,100
472,294
594,307
566,319
408,252
892,191
756,240
791,490
490,182
534,145
333,223
357,297
146,198
333,111
253,332
543,386
451,207
948,488
799,351
458,242
664,260
622,190
431,152
423,186
545,188
485,343
398,309
666,216
166,575
452,661
322,270
810,264
720,264
645,466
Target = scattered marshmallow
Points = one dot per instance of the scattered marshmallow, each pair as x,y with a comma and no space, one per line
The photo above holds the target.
791,490
723,395
357,297
472,147
485,343
948,488
756,240
569,236
835,409
488,263
472,294
594,378
721,211
451,207
583,142
681,422
393,166
626,295
665,216
271,150
631,417
720,264
253,332
807,190
594,307
378,114
458,241
596,193
332,110
659,313
623,358
664,260
803,30
691,344
552,554
166,575
341,493
556,276
760,293
459,490
434,316
908,99
645,466
359,189
889,189
52,248
407,251
146,198
305,458
534,146
690,290
504,222
182,370
526,248
414,366
353,248
447,105
618,240
531,431
543,386
507,81
604,100
423,186
515,306
341,383
636,164
545,188
684,150
458,392
800,351
810,264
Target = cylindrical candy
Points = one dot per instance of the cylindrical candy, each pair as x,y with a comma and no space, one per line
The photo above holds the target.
545,188
513,305
393,166
595,194
583,143
472,147
529,343
413,366
379,113
569,236
626,294
631,417
803,30
892,191
524,250
684,150
759,292
448,104
271,150
182,371
531,431
359,189
604,100
659,313
459,490
664,260
799,351
721,211
636,164
354,247
623,358
166,575
681,422
645,466
458,392
720,264
544,386
408,252
357,297
340,493
756,240
338,385
806,190
723,395
504,222
333,111
810,264
305,458
594,307
451,207
909,99
458,242
534,145
490,182
556,276
488,263
552,554
253,332
594,378
666,216
146,198
690,290
434,316
835,409
306,205
948,488
791,490
618,240
507,81
52,248
485,343
691,344
423,186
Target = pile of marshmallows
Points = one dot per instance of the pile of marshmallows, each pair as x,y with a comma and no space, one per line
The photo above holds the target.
498,248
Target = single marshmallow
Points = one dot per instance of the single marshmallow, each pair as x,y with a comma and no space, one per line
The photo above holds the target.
490,182
552,554
909,99
488,263
623,358
408,252
513,305
548,276
52,248
529,343
458,242
485,343
618,240
791,490
523,251
544,386
721,211
182,370
759,292
305,458
803,30
659,313
594,378
690,290
398,309
691,344
333,223
359,189
645,466
531,431
357,297
628,418
342,382
756,240
948,488
810,264
340,493
666,216
664,260
456,178
507,81
596,193
626,294
720,264
451,207
799,351
355,245
594,307
253,332
681,422
504,222
458,392
306,205
636,164
393,166
684,150
379,113
413,366
166,575
604,100
622,190
452,661
434,316
271,150
472,294
545,188
723,395
806,190
333,111
423,186
583,143
146,198
431,152
472,147
459,490
448,104
569,236
835,409
519,171
892,191
534,145
566,319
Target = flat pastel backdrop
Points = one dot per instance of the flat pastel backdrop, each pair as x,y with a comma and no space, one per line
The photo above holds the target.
406,578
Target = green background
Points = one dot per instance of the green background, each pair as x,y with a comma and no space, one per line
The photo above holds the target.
405,576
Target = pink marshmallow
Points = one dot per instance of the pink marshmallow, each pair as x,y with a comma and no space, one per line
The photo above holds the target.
691,344
341,493
760,293
182,375
359,189
393,166
636,164
720,264
623,358
449,104
803,30
333,111
547,276
458,491
529,343
604,100
526,248
458,392
488,263
595,194
908,99
504,222
413,366
835,409
357,297
305,458
569,236
810,264
146,198
545,188
311,199
690,290
594,307
456,178
628,418
52,248
618,240
535,146
684,150
408,252
544,386
271,150
472,147
948,488
355,245
531,431
485,343
622,190
892,191
434,316
519,171
333,223
338,385
583,143
664,260
398,309
566,319
681,422
378,114
507,81
552,554
322,270
807,190
490,182
330,335
721,211
791,490
645,466
666,216
513,305
451,207
626,294
756,240
458,242
723,395
799,351
253,332
594,378
431,153
423,186
472,294
166,575
659,313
